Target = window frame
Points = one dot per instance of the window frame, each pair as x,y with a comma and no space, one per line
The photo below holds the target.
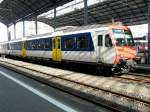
100,43
88,40
106,44
74,41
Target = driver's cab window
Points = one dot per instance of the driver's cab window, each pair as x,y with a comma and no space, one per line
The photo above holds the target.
108,41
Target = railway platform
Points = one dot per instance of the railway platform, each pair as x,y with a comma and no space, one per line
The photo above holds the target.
131,92
143,68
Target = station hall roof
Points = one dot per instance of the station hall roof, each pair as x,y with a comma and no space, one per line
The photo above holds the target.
12,11
130,12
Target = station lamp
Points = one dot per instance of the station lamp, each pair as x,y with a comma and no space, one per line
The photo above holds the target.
1,1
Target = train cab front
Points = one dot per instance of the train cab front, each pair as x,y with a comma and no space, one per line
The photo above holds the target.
125,49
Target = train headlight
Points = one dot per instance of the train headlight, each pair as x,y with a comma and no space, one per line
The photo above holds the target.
121,56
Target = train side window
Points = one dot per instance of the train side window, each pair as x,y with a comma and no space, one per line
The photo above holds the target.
42,44
54,43
38,44
25,45
16,46
82,42
12,46
19,45
69,43
100,40
108,42
29,44
33,45
47,44
58,43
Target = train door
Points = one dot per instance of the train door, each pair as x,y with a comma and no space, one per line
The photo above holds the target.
56,49
108,51
100,48
24,49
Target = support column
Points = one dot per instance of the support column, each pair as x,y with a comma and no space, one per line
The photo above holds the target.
55,18
85,12
14,31
24,29
8,34
36,26
148,31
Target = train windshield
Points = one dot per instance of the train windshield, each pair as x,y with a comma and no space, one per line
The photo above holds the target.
123,37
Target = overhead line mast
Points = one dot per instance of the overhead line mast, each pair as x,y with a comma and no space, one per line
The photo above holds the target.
148,31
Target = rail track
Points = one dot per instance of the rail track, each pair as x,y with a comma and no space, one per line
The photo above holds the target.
139,78
140,75
89,87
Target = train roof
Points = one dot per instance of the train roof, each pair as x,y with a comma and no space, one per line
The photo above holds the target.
18,40
67,30
5,42
62,33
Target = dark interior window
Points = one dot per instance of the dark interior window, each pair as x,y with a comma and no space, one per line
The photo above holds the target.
28,45
25,45
54,43
100,40
42,44
47,44
108,42
82,42
69,43
58,43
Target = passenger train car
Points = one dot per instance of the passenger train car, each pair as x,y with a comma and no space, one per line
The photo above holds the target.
101,45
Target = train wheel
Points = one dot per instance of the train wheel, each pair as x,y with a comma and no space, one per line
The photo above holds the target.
125,68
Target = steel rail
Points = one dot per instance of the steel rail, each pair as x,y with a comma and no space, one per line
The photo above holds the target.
136,79
137,74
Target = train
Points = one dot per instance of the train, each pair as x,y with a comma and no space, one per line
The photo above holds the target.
106,46
142,49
